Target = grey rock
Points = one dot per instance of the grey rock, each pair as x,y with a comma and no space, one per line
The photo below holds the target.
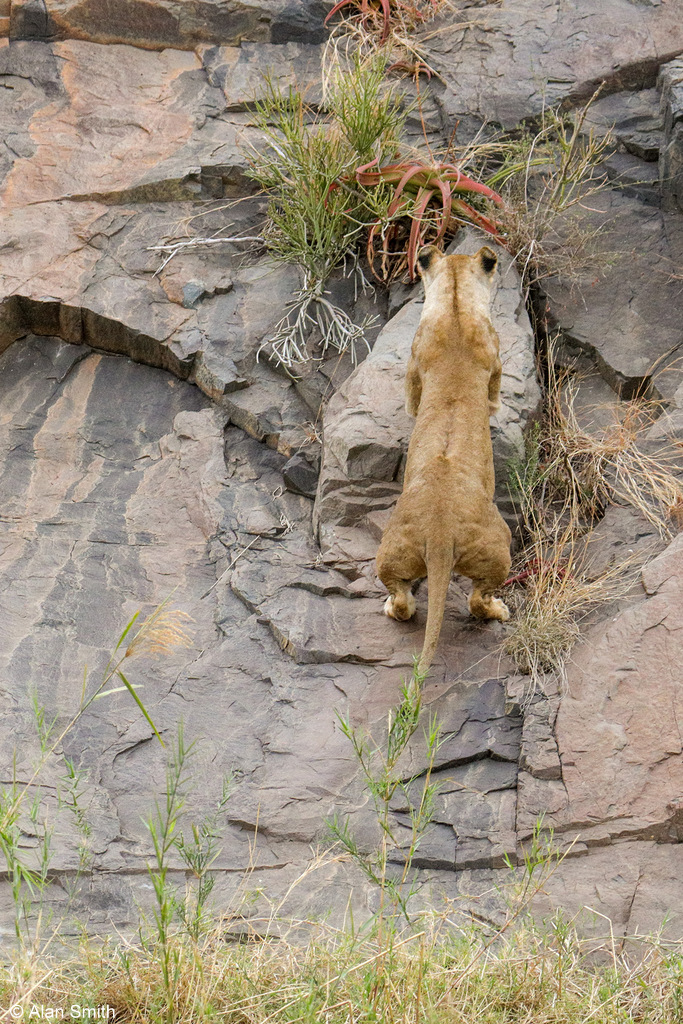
399,294
631,883
217,375
643,143
193,293
315,630
623,536
269,410
28,20
239,71
518,58
633,119
671,156
635,177
167,97
538,799
474,817
477,726
300,475
539,755
630,330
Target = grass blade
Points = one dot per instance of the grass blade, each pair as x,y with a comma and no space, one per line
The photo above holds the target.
131,690
127,630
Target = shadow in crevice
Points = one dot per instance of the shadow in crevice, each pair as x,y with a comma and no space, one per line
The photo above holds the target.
21,316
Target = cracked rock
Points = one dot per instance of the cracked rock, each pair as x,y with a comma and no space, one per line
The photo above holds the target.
158,24
671,156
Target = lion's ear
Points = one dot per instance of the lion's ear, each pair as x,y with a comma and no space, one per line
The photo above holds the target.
427,256
488,259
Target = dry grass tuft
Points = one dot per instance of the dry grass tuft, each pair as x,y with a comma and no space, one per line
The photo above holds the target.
570,476
560,590
611,464
440,973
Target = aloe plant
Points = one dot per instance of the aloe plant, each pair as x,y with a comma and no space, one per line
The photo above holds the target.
389,10
417,185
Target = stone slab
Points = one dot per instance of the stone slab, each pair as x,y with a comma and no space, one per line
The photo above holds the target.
507,62
161,24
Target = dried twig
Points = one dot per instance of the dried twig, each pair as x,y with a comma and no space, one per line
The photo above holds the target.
173,248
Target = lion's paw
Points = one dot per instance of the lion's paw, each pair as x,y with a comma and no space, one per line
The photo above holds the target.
499,610
398,606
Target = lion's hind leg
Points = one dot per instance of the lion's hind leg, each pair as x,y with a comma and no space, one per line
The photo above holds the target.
489,573
398,565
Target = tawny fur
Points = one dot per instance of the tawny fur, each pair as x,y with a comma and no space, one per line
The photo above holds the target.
445,520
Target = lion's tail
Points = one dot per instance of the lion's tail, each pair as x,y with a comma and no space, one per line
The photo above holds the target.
439,569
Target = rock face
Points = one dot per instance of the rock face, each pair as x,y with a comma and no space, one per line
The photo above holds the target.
617,722
621,759
631,329
150,448
671,154
116,518
157,24
507,62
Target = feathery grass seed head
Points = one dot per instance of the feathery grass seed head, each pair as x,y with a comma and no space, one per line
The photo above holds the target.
160,633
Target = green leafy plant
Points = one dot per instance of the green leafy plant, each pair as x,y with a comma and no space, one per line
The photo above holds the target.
380,766
27,870
198,851
336,186
314,219
368,112
162,826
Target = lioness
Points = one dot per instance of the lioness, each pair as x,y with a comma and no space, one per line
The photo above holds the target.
445,520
